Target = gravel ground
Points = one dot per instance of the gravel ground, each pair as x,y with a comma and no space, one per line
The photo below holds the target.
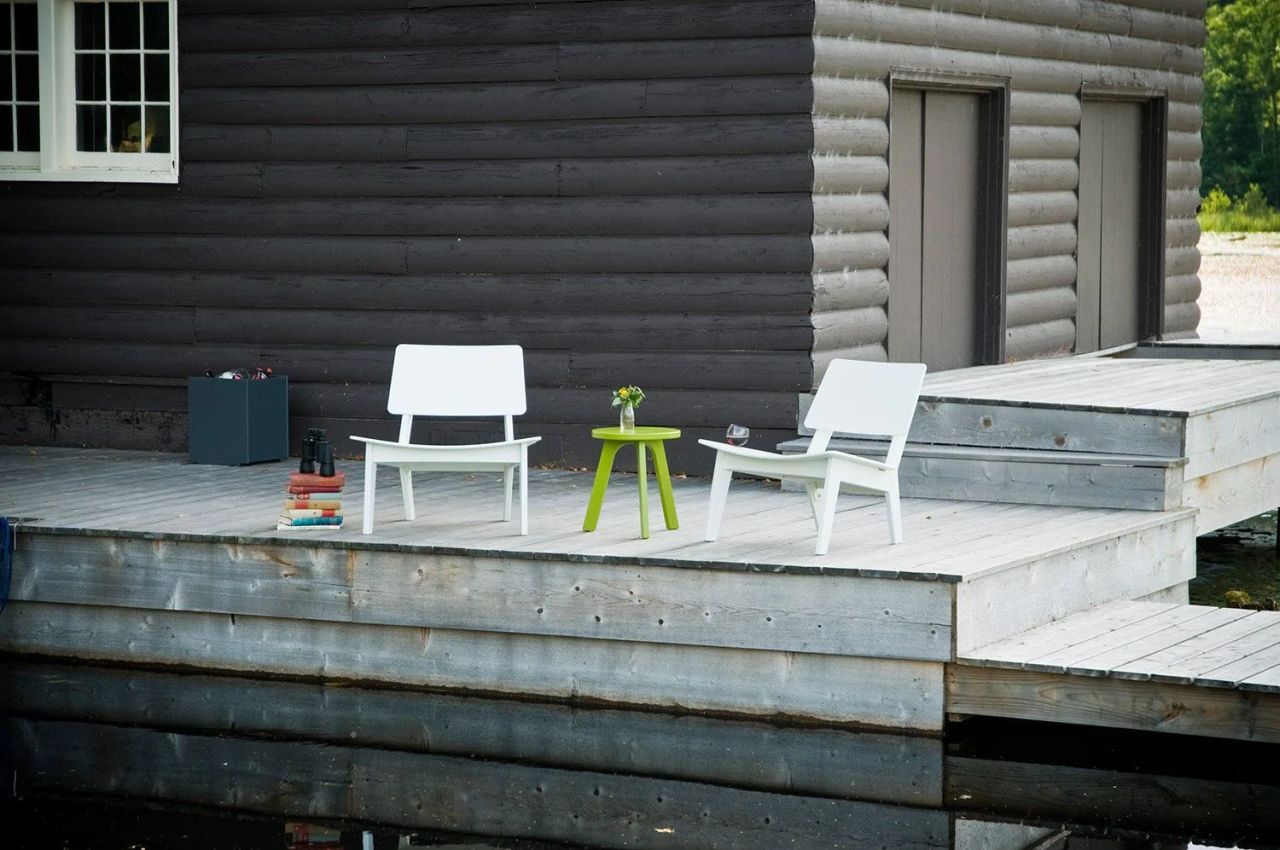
1240,279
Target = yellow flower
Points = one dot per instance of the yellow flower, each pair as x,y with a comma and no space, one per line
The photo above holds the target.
624,393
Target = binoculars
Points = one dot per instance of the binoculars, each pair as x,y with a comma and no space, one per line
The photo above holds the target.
316,452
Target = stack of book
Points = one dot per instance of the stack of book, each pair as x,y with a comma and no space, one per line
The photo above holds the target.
313,501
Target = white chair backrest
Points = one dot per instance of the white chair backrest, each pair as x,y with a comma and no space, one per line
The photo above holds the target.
861,397
457,380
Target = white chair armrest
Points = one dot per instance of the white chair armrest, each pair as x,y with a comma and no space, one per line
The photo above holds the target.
858,460
523,441
743,451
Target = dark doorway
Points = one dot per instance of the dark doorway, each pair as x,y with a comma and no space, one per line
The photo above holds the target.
1120,258
946,226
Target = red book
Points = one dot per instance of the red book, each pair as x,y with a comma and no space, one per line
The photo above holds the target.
318,501
305,492
317,481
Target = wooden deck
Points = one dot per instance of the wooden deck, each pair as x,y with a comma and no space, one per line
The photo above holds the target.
160,495
144,558
1147,431
1189,669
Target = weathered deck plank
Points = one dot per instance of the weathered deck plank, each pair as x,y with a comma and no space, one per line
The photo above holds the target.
158,495
151,560
1177,668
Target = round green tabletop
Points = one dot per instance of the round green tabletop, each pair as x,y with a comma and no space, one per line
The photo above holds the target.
642,433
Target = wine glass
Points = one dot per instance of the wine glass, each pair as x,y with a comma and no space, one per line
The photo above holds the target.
737,435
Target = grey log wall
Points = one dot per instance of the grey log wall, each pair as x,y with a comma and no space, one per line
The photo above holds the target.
1048,52
684,195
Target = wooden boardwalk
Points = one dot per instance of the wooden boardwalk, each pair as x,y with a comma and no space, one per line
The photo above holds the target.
1189,669
1144,431
144,558
153,494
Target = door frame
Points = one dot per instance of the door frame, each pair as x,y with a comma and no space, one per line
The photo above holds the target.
993,177
1153,200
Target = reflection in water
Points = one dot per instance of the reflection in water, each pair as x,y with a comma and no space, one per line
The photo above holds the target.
1240,558
106,758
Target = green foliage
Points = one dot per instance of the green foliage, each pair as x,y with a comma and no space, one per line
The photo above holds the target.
1254,202
1242,99
1250,214
1217,201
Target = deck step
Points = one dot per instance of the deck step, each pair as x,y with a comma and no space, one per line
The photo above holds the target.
1188,669
1026,476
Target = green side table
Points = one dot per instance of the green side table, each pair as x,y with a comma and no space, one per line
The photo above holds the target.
643,437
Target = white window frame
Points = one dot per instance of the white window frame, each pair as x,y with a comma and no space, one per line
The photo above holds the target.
58,159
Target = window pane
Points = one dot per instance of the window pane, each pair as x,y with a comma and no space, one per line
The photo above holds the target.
126,80
158,77
6,128
158,129
4,26
91,77
155,25
24,26
90,28
124,26
6,72
126,129
91,128
27,76
28,128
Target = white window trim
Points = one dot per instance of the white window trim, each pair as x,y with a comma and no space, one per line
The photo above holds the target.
58,159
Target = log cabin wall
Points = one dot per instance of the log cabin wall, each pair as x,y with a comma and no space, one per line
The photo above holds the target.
1049,52
621,187
690,195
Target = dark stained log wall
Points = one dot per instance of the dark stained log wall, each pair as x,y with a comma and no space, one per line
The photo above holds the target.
621,187
685,194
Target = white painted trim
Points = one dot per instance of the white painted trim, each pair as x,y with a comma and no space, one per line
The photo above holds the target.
58,161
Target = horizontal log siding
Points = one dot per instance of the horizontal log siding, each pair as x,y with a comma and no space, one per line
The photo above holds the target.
1049,50
621,187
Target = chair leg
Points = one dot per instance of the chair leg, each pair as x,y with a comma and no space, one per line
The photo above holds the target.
719,495
508,481
895,514
524,490
830,493
370,488
406,493
815,499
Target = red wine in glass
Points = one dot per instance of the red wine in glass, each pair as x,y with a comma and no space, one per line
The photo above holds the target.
737,435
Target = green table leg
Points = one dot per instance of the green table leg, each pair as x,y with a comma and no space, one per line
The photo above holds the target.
643,473
664,484
603,468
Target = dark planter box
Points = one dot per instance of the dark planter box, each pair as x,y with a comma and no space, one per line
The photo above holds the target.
236,422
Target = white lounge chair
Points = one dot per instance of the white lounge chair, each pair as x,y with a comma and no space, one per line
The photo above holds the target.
453,380
855,398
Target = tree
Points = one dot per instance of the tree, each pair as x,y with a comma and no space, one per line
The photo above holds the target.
1242,97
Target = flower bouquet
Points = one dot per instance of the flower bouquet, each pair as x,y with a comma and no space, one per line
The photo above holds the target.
627,398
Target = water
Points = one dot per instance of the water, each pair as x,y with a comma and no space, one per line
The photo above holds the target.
94,757
1240,558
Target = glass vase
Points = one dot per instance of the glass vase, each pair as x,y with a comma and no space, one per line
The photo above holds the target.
627,418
